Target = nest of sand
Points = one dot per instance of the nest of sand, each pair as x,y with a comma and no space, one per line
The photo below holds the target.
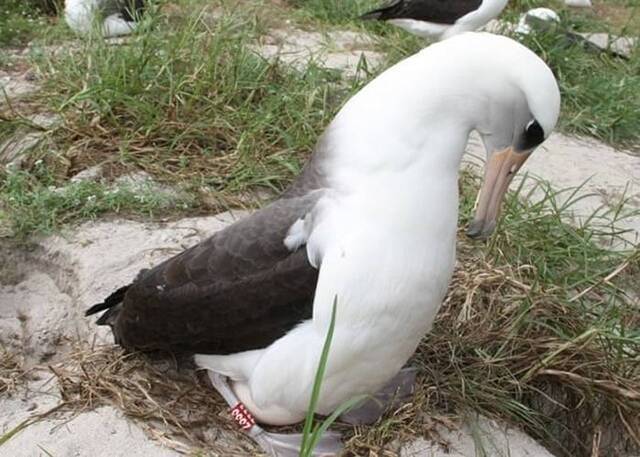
504,346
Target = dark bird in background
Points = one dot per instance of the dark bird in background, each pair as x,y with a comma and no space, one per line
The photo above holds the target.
438,18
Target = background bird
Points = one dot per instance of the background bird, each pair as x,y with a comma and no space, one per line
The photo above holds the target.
438,18
112,17
548,21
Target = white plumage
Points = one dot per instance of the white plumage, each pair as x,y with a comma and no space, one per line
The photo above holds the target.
81,15
537,19
578,3
384,235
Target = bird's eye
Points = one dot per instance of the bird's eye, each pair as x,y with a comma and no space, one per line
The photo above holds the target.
532,136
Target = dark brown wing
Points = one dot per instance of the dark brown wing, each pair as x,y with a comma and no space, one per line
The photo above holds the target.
241,289
436,11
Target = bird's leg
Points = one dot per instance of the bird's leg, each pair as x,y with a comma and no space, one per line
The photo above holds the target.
274,444
393,395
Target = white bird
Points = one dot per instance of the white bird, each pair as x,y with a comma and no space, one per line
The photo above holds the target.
372,220
438,18
537,19
578,3
115,17
547,20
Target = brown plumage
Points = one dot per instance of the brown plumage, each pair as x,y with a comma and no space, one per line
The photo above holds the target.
436,11
238,290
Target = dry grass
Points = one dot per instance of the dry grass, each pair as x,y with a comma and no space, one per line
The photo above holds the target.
11,372
513,348
173,406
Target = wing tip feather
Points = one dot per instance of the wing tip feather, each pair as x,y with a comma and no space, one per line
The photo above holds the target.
112,300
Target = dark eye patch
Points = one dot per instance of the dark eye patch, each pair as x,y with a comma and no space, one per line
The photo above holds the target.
531,137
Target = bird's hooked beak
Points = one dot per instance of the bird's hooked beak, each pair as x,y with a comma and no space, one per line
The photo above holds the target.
499,171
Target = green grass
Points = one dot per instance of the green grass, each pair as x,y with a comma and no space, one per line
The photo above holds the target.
312,433
192,105
32,204
621,17
601,94
335,11
532,332
193,99
187,101
20,21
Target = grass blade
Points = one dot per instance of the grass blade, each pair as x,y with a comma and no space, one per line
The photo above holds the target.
307,441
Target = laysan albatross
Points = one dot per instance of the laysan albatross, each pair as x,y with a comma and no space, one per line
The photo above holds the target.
371,220
438,18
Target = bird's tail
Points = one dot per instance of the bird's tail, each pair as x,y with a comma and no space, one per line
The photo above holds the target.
111,304
372,15
381,13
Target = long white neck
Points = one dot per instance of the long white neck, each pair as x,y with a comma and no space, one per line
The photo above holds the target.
401,125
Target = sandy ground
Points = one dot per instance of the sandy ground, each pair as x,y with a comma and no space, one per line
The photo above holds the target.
344,51
41,317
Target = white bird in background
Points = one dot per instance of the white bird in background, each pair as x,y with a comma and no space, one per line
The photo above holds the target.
547,20
537,19
372,220
578,3
438,18
113,17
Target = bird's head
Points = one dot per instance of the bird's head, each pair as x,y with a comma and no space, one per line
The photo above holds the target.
519,104
414,121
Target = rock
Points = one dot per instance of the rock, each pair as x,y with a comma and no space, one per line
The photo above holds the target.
12,151
479,437
537,19
623,46
38,315
498,26
46,120
143,183
341,51
15,86
89,174
578,3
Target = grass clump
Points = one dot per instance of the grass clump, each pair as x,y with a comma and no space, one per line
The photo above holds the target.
19,22
175,405
32,204
185,100
10,370
337,12
190,102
